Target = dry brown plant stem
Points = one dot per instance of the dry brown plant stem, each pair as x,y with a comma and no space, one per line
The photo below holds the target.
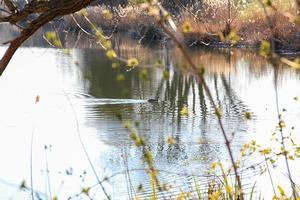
273,57
202,81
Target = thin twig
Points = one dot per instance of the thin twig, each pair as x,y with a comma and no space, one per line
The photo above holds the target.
31,166
47,173
282,135
84,148
270,176
85,31
274,60
202,81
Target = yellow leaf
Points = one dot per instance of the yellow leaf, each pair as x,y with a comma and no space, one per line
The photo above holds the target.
184,111
265,48
233,37
166,74
281,191
214,165
265,151
85,191
171,140
134,136
37,99
215,195
248,115
83,12
120,77
219,112
50,35
127,124
115,65
132,62
153,11
181,196
143,74
187,27
149,158
107,14
282,124
296,98
228,189
111,54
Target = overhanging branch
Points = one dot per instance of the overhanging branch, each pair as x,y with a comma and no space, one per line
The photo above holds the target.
46,11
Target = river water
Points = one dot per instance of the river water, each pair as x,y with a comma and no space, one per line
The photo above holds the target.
80,99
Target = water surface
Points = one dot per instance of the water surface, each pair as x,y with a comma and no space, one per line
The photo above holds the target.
81,101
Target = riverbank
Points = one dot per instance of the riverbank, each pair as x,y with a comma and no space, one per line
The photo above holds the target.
208,27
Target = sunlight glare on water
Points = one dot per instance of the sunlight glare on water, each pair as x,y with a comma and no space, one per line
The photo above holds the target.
80,86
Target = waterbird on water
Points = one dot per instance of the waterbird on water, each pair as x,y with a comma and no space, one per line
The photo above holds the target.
152,100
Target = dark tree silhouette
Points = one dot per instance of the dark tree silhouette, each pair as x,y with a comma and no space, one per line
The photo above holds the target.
32,16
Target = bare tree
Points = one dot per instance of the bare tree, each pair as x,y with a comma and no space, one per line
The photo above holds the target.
32,16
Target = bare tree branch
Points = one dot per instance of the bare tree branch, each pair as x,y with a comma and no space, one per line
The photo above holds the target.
11,6
46,11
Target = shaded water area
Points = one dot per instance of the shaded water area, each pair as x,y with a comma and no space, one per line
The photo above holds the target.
80,100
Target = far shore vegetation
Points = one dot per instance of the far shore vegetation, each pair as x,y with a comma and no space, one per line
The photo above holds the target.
211,24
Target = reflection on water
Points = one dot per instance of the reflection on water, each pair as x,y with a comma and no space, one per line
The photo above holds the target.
84,80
